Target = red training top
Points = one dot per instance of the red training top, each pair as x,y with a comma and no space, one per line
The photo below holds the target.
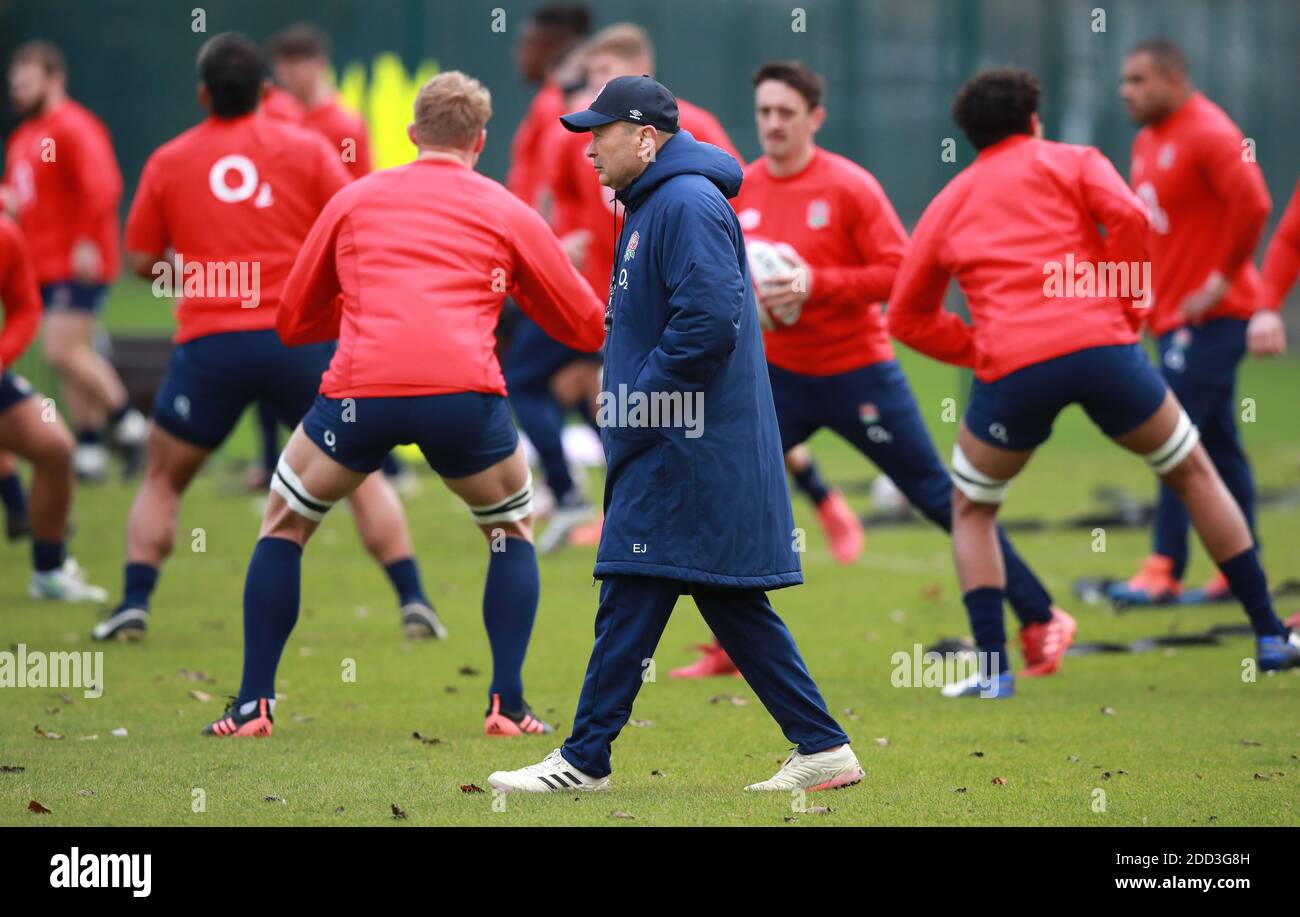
1282,260
19,295
836,216
235,192
1002,227
409,267
64,176
1208,207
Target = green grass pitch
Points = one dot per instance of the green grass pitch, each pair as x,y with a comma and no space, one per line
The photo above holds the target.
1184,742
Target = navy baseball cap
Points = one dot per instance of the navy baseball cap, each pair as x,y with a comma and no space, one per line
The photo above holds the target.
634,99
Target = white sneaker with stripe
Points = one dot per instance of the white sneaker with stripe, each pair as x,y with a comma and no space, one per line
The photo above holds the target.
552,775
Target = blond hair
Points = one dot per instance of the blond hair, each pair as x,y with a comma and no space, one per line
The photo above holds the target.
451,111
625,39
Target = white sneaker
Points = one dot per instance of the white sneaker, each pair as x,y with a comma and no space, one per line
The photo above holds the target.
66,584
564,520
131,429
553,775
90,462
825,770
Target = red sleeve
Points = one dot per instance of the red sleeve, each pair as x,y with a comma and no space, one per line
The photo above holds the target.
880,241
364,165
331,174
1240,185
19,295
1282,260
310,304
549,288
1113,204
146,226
915,314
95,173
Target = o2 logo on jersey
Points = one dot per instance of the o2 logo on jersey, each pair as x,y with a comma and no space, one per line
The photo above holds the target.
998,432
330,439
248,182
622,279
181,405
1146,192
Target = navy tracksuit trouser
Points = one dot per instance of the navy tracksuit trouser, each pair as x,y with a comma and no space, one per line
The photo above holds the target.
633,613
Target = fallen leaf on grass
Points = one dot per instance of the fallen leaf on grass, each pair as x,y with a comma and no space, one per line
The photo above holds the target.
470,788
1251,742
90,738
47,735
120,732
299,718
999,781
789,818
338,811
1073,759
451,689
398,811
644,724
1107,711
619,813
882,741
467,670
11,769
817,810
977,754
36,807
960,789
195,676
421,737
730,698
201,696
272,799
658,774
85,792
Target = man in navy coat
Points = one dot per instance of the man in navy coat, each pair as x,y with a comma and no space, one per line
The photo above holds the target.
695,491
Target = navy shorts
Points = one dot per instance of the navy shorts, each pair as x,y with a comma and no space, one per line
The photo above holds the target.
211,380
13,389
460,434
75,296
1116,386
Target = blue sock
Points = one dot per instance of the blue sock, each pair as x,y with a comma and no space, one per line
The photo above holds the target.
270,612
392,467
47,555
810,482
405,577
11,494
984,608
139,582
509,606
1250,587
89,437
1029,599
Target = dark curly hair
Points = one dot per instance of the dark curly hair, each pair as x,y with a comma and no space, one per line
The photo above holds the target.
994,104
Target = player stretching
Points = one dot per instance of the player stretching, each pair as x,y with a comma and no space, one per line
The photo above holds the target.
27,432
63,187
1208,207
1024,206
415,364
832,365
233,197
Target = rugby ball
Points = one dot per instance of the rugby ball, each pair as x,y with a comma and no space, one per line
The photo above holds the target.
767,261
